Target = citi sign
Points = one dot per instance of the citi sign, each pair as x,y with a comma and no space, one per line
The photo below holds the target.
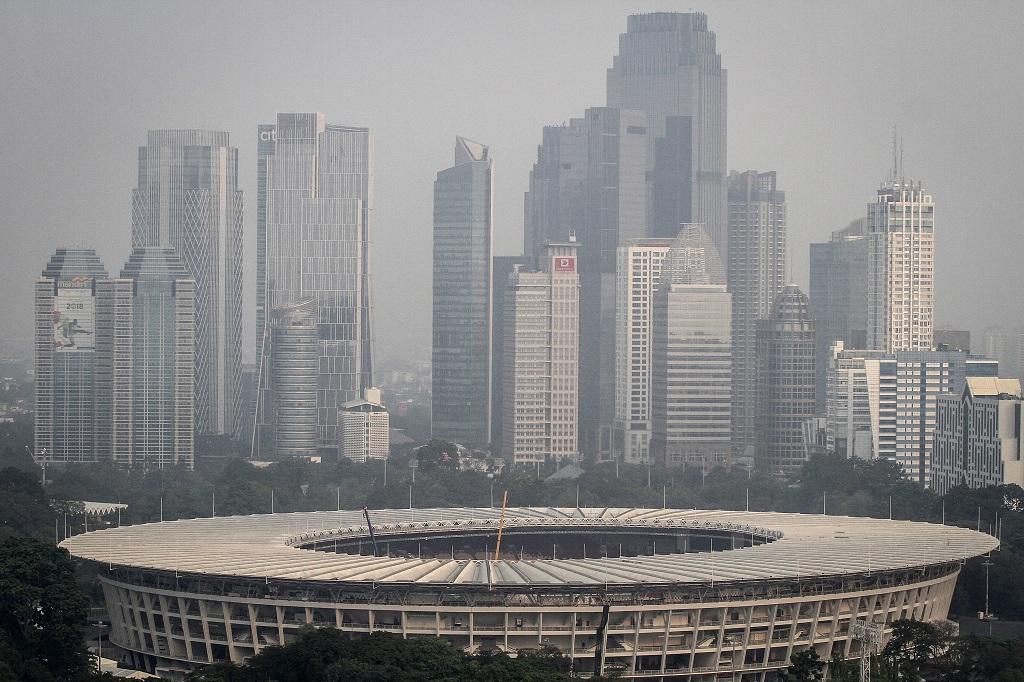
268,135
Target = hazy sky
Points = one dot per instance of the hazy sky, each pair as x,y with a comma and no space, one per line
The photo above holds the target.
814,90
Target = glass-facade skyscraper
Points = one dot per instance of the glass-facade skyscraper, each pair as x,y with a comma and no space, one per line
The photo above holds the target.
315,193
65,356
668,67
145,362
462,334
188,198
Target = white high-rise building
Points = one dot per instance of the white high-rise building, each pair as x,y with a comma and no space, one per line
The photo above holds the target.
901,268
363,428
315,197
541,362
637,277
188,197
691,374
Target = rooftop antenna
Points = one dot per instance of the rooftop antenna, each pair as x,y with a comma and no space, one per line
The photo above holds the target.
895,158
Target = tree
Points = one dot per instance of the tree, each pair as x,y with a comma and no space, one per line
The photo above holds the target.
24,508
804,666
42,613
913,644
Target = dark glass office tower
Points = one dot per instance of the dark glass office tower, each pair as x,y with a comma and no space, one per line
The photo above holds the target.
462,334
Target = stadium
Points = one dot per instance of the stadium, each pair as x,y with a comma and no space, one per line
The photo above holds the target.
650,594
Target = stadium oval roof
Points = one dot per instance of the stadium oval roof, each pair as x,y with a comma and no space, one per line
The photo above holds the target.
265,547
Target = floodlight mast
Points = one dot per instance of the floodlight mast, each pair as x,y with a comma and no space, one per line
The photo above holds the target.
869,634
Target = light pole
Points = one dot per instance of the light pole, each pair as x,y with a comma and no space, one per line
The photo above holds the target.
490,479
988,616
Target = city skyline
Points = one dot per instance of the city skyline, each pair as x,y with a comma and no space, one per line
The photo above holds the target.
822,196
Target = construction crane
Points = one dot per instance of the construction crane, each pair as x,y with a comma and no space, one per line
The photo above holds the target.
501,526
369,526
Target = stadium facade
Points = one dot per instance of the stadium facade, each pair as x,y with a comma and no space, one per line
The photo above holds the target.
657,594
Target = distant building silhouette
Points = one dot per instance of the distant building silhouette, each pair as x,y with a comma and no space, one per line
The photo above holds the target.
838,294
667,66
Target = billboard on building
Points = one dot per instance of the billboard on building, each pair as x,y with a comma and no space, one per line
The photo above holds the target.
74,315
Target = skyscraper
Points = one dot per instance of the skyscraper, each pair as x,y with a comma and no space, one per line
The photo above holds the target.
294,369
541,363
503,267
590,180
667,66
317,188
638,275
692,355
838,293
461,367
65,356
785,382
145,362
756,271
188,198
901,268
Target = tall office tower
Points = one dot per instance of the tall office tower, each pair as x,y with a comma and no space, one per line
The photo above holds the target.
667,66
901,268
363,428
1006,346
637,278
65,356
978,436
502,269
589,180
692,355
316,188
265,144
541,363
902,390
145,362
785,382
756,268
461,367
188,198
838,292
294,369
